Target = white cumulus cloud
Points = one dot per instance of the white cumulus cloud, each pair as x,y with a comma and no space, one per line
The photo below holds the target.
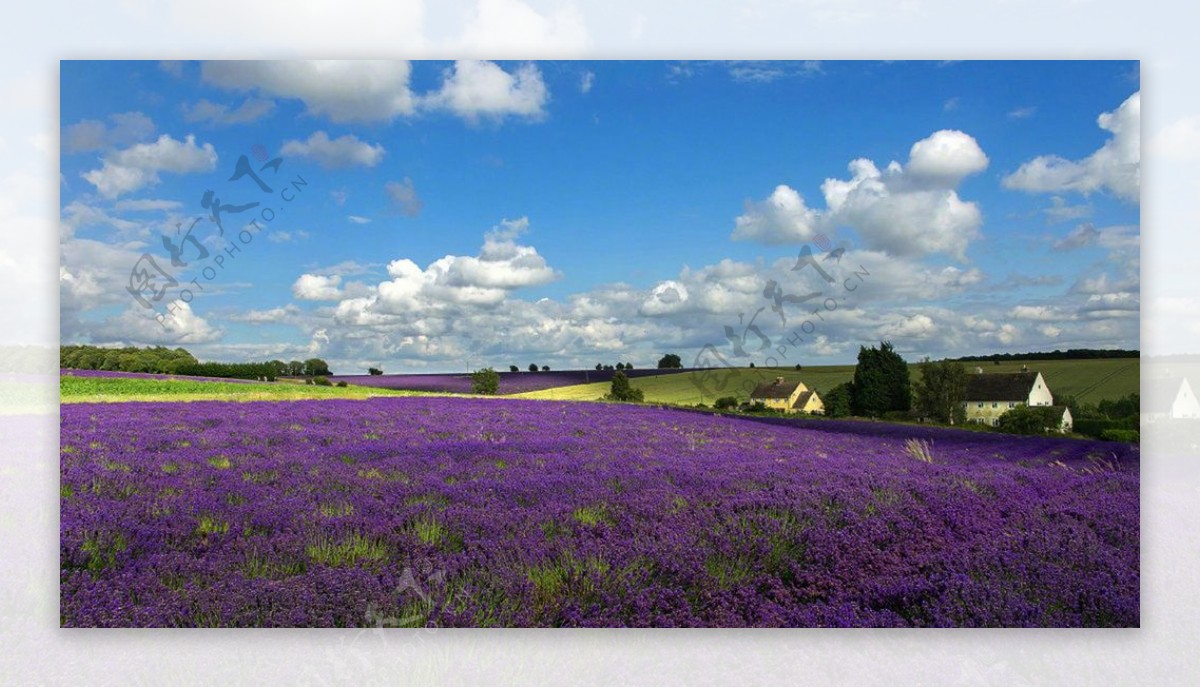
317,287
344,151
1115,167
342,90
905,210
133,168
477,89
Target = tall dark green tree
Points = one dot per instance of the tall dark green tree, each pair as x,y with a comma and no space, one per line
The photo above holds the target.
620,390
940,392
881,382
838,400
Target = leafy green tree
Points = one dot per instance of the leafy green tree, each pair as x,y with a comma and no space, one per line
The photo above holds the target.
838,401
315,366
513,369
881,382
295,368
620,390
545,369
599,366
374,371
533,367
628,365
941,390
725,403
670,361
485,381
620,366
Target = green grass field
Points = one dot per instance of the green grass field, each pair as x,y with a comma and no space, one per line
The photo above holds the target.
86,389
1090,380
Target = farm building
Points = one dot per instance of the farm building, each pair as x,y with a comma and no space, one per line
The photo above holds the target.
1170,398
990,395
1063,414
792,398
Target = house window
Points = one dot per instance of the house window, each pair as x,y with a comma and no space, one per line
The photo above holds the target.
981,404
995,421
995,404
1012,404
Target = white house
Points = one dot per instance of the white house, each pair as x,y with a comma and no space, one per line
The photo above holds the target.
990,395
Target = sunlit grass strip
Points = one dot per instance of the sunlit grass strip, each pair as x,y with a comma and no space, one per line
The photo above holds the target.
74,389
347,551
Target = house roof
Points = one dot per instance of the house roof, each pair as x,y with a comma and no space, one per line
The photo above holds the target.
802,400
999,386
776,389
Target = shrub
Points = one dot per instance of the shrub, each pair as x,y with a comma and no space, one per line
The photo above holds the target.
1117,435
322,381
485,381
726,403
622,391
1030,420
341,383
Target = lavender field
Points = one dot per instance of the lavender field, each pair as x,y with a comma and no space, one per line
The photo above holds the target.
484,512
510,383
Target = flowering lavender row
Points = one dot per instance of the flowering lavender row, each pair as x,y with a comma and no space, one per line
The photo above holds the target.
144,376
484,512
510,383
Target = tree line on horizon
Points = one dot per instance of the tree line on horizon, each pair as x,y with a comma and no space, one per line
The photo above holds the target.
179,361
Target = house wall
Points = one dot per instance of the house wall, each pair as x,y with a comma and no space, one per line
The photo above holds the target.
814,405
1040,394
988,412
1185,404
783,404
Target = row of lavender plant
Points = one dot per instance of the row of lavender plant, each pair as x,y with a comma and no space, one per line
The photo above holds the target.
510,382
468,512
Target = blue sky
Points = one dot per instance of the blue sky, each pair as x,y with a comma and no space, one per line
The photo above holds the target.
566,213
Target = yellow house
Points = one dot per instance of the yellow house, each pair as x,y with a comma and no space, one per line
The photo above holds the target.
790,398
990,395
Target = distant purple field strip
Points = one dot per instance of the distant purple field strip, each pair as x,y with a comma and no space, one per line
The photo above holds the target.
510,383
487,512
145,376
